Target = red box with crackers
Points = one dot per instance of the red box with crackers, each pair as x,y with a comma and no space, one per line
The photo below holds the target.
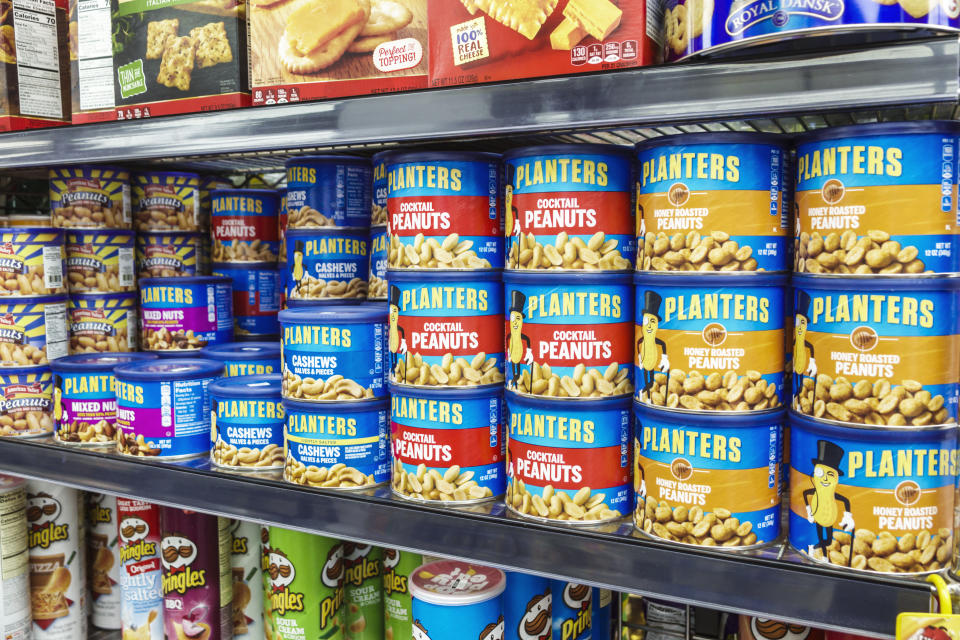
314,49
474,41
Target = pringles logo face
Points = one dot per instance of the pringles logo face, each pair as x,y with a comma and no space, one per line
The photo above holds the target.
332,574
43,510
359,566
97,513
282,574
177,554
133,532
393,582
577,598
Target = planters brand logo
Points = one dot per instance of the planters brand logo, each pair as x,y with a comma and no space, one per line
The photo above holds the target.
745,15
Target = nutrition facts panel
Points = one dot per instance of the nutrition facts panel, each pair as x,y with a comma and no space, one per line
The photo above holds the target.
38,65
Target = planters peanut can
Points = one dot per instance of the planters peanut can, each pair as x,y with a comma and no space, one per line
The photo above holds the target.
568,207
873,499
853,186
712,202
882,351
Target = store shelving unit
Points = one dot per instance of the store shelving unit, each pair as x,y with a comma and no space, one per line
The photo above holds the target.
791,93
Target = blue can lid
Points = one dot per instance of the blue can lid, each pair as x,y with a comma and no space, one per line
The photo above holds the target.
870,433
5,302
184,280
383,157
713,137
854,283
129,295
174,369
399,157
455,393
710,418
5,231
242,351
77,233
143,175
363,232
567,150
336,314
568,404
336,408
880,129
437,275
325,159
711,279
83,362
243,266
262,386
567,277
262,193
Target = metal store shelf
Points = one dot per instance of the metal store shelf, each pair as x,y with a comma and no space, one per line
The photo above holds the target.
613,557
911,72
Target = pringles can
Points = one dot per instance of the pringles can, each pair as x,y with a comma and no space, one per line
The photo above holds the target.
398,567
103,558
456,599
363,619
248,592
141,584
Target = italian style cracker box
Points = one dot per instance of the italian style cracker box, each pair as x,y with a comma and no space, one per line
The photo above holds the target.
34,63
474,41
143,58
314,49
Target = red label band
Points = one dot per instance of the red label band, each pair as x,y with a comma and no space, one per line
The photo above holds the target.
435,336
442,215
566,345
576,212
247,228
568,469
444,447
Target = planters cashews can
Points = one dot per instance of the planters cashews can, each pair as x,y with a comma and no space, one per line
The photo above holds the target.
880,351
443,210
246,358
853,185
327,264
568,207
328,191
713,202
873,499
457,600
247,422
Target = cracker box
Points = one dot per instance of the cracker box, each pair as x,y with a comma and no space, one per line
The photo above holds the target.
475,41
34,77
314,49
144,58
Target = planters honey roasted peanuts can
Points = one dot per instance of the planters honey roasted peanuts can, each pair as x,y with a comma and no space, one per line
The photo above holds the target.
873,499
444,211
854,185
568,207
880,351
713,202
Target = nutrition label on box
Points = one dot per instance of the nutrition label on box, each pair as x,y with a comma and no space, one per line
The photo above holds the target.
95,53
38,60
55,319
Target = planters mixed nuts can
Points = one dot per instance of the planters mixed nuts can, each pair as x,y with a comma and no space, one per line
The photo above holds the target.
334,354
185,314
327,264
337,445
328,191
569,461
363,613
166,201
100,261
197,578
568,207
306,574
882,351
457,600
569,336
33,331
704,480
448,446
873,499
443,210
852,185
103,559
710,344
256,296
88,196
167,255
163,407
32,261
102,322
85,398
26,402
398,566
246,358
141,583
527,607
244,225
713,202
246,423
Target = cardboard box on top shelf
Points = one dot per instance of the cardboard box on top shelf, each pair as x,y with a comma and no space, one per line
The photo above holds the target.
34,81
145,58
304,50
475,41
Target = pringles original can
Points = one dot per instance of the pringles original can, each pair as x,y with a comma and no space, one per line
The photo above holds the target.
197,579
244,225
398,566
141,584
527,607
568,207
455,599
443,210
851,186
572,610
713,202
363,619
103,560
248,592
328,191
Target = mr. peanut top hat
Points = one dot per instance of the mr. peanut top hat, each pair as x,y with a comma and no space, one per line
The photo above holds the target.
829,455
395,295
651,303
803,303
517,302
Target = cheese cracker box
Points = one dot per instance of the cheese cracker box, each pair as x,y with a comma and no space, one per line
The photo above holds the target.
475,41
144,58
34,80
314,49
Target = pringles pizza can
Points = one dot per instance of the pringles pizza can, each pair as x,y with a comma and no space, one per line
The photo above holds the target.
103,560
141,585
456,599
197,582
248,593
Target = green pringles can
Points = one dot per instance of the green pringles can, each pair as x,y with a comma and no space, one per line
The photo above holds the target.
306,574
397,605
363,614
